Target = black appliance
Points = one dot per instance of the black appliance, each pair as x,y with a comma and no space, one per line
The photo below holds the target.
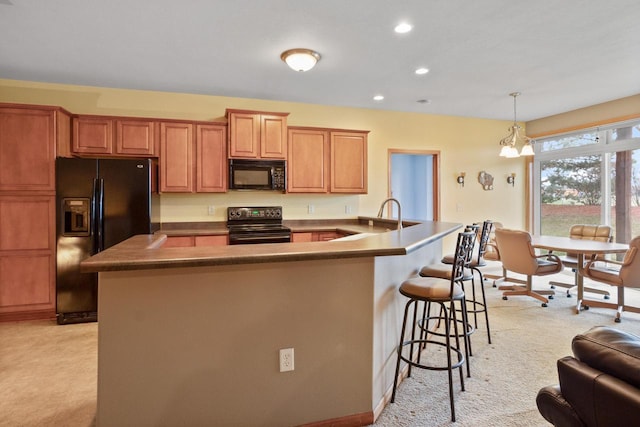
100,202
248,225
257,174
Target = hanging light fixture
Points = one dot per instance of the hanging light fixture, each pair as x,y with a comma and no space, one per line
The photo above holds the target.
509,142
300,59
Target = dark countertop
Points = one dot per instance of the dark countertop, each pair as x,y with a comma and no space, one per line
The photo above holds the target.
346,226
146,251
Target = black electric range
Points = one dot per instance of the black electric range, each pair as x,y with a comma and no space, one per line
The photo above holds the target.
249,225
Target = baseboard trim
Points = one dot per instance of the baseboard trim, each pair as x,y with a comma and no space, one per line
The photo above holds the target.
28,315
355,420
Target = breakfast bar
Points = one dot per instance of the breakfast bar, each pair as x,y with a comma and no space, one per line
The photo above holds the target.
191,336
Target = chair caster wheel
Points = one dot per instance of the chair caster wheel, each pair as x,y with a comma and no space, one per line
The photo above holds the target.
617,320
568,295
505,298
550,296
585,307
607,297
552,286
544,304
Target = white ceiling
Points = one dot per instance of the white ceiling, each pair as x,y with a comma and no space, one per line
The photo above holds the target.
561,55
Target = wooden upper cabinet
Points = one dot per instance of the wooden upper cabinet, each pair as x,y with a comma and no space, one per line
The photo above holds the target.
348,162
254,134
136,137
244,135
97,135
92,135
273,136
211,155
308,160
176,157
27,149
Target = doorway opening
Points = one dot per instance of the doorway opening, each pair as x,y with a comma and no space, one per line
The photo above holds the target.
413,180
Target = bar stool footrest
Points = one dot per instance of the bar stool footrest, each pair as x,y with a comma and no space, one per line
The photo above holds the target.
455,365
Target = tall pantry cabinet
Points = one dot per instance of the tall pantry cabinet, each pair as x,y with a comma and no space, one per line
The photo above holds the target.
28,138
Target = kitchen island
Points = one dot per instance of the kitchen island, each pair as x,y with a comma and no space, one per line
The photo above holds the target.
191,336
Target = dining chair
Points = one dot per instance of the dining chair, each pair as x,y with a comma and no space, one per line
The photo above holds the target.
627,276
518,256
601,233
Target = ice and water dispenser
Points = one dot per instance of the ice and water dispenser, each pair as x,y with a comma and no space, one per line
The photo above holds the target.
75,217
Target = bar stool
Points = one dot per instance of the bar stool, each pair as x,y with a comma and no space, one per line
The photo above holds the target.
477,262
442,292
444,271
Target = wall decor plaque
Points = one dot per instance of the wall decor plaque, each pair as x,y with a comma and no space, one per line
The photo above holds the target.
486,180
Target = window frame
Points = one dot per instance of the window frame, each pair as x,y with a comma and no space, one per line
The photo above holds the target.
604,147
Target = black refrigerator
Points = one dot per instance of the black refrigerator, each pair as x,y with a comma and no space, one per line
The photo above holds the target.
100,203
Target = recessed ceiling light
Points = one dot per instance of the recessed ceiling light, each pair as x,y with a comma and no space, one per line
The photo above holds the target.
378,98
423,101
421,71
403,27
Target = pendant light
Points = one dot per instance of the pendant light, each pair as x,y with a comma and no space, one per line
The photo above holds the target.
515,137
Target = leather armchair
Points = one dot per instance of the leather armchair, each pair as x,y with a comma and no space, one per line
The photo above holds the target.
599,385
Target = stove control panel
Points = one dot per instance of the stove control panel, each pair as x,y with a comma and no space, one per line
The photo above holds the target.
254,214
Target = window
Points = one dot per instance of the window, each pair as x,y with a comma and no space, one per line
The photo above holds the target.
589,177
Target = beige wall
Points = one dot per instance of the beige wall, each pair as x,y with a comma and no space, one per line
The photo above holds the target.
466,144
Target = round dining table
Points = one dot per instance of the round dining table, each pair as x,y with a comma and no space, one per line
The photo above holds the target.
582,248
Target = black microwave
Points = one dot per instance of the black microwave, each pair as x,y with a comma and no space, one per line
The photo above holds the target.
257,174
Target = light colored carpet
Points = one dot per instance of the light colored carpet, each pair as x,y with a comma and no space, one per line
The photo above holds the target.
48,372
506,375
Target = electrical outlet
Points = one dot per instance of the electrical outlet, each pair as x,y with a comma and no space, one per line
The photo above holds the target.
211,210
286,359
311,209
347,209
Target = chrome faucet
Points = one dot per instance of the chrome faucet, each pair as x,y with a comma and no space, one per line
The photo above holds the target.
399,210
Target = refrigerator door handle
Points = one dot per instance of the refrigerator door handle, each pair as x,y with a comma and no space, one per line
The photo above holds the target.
100,214
93,230
97,213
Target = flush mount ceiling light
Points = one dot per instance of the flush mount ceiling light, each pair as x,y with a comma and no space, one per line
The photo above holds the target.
422,71
378,97
514,138
300,59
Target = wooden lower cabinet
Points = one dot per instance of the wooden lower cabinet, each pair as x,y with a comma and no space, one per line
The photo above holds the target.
301,237
316,236
179,242
190,241
325,236
214,240
27,257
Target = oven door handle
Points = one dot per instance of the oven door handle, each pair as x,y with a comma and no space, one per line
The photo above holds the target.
261,237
